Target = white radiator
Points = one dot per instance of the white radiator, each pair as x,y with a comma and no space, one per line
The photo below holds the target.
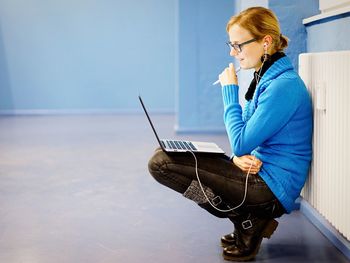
327,76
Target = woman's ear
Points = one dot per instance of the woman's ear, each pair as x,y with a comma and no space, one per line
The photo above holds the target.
267,40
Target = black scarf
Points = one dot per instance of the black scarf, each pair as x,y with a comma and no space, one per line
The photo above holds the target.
267,64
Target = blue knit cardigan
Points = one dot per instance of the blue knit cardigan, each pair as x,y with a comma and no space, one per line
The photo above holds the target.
276,127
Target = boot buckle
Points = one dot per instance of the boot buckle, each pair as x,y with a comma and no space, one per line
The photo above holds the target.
216,200
247,224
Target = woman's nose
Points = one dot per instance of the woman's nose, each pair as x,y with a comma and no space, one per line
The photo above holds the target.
233,52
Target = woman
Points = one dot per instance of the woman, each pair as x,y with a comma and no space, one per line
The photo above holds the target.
270,140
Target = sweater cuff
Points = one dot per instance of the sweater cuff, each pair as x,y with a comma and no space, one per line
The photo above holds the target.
230,94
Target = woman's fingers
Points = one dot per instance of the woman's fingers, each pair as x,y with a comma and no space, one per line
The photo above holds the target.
228,76
248,163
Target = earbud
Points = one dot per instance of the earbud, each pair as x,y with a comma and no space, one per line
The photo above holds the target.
265,57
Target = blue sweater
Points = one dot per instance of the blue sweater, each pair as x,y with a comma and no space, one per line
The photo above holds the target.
276,127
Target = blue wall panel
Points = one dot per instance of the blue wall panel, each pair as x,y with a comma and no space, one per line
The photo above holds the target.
202,56
330,34
87,54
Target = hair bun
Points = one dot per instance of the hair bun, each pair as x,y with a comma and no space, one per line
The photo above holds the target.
283,43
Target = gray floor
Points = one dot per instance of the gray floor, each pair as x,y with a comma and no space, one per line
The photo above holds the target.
76,189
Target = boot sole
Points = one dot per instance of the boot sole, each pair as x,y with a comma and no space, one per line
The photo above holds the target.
267,233
227,244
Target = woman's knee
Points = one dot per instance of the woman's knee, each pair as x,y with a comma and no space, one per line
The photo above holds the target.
157,164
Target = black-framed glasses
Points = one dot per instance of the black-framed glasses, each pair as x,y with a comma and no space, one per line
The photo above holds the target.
238,47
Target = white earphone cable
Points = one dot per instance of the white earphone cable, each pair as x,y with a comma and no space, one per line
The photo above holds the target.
200,184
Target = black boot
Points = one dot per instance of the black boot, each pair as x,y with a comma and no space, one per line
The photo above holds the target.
229,239
248,239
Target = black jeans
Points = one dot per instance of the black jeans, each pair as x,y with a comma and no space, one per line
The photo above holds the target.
222,176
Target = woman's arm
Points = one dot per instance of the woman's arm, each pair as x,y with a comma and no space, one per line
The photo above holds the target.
276,105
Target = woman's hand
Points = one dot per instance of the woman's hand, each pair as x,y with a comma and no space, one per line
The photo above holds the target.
244,162
228,76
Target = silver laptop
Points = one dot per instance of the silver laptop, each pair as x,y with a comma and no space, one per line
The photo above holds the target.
168,145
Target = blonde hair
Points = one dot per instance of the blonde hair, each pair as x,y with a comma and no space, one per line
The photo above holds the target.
260,21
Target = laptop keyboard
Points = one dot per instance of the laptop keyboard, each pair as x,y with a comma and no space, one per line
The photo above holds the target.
179,145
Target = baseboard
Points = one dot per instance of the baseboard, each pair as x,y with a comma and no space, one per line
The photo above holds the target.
325,227
79,112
